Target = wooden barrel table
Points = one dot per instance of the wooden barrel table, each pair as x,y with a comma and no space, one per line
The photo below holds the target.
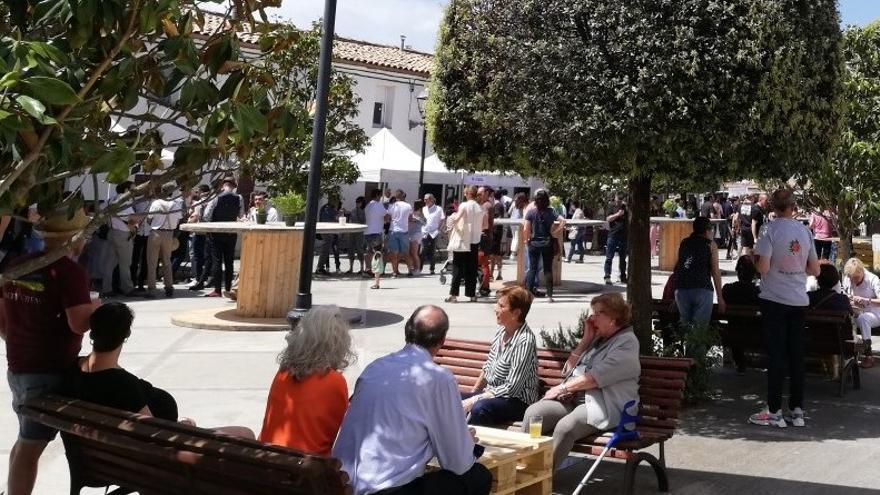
270,262
672,232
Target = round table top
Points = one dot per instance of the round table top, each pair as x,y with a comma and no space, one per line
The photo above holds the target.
583,222
237,227
684,220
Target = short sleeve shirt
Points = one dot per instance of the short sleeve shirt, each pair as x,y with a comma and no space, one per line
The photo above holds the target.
113,387
400,212
542,222
790,246
618,227
39,339
375,212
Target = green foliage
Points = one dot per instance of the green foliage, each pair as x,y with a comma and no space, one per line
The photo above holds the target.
154,69
670,206
849,185
565,338
291,203
283,159
686,91
698,342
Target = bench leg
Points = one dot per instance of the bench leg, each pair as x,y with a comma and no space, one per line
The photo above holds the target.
632,465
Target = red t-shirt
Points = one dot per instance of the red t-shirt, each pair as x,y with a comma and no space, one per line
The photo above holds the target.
305,415
38,338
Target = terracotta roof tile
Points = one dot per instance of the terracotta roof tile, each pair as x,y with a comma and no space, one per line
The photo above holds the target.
348,50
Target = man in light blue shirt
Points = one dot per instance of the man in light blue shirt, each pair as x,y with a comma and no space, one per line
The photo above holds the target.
406,410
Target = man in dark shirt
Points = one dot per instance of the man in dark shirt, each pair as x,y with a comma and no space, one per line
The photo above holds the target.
43,317
825,297
759,215
706,209
328,213
618,225
743,292
227,207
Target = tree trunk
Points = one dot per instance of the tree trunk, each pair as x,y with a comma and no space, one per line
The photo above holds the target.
638,290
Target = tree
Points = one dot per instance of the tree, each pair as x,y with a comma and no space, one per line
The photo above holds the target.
70,70
636,89
283,160
849,184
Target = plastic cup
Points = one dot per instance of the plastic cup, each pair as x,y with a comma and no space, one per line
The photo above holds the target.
535,423
342,220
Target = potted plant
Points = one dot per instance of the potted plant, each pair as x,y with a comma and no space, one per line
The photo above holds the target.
669,206
261,215
289,205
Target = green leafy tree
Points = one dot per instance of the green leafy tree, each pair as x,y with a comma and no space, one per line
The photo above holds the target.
283,160
70,70
637,89
849,185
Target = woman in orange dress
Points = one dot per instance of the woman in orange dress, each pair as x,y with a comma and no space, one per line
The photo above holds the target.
309,396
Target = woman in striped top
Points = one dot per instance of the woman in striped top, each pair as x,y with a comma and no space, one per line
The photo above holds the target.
508,383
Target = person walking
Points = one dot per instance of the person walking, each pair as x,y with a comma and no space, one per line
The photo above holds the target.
226,207
120,237
43,316
539,228
786,255
164,215
618,227
434,219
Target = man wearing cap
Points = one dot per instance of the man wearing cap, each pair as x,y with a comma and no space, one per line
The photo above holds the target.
43,317
226,207
164,215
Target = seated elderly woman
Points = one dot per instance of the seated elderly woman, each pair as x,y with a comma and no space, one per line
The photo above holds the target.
863,289
103,381
509,380
601,376
309,396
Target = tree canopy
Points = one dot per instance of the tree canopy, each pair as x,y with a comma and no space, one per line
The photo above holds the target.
638,89
283,161
849,185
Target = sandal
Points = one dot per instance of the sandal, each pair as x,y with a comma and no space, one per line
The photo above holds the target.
451,299
374,286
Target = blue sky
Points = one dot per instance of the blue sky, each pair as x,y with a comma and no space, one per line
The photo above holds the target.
383,21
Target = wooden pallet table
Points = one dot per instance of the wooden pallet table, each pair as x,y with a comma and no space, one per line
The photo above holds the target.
520,465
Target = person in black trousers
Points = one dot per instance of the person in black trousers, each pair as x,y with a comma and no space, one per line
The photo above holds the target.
227,207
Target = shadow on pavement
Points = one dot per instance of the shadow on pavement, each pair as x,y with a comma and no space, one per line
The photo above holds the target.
372,318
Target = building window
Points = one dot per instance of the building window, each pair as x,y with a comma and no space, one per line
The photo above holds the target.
383,108
378,114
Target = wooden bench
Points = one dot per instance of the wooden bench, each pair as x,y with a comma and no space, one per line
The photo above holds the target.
151,456
661,389
827,333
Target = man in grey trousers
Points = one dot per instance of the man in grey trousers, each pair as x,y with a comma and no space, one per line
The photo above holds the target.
120,242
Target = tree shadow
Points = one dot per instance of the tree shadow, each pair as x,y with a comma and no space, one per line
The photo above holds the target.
371,318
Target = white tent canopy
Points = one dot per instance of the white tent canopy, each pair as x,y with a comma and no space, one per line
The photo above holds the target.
388,160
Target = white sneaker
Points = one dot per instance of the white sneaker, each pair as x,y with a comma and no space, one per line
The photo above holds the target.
797,417
766,418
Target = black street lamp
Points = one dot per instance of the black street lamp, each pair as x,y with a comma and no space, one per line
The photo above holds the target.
422,99
304,294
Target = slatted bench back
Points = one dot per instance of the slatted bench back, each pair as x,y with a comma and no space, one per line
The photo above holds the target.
661,384
107,446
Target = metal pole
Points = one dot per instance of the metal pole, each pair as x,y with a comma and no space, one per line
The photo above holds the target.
422,164
304,295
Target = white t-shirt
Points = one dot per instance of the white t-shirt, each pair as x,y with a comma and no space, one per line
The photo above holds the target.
474,216
375,213
433,220
869,288
789,244
271,214
120,219
164,215
400,212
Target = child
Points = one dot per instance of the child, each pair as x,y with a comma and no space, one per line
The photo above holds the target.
378,265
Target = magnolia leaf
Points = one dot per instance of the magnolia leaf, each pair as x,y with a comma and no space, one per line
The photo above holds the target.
50,90
119,158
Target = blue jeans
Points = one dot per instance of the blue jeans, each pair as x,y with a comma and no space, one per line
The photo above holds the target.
694,305
577,242
25,386
616,244
495,411
784,337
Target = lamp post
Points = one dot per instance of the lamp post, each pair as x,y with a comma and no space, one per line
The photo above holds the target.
304,294
422,99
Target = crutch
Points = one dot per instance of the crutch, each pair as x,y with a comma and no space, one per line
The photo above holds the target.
626,430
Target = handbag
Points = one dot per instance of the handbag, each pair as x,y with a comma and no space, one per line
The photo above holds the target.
572,234
457,238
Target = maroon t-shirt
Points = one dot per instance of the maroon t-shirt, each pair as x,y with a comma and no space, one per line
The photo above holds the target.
38,338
